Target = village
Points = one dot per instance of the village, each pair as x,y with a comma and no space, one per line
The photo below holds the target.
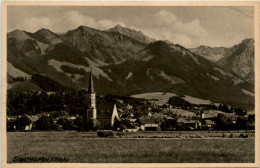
133,115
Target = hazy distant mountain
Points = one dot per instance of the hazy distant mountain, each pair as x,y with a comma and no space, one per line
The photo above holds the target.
211,53
138,35
123,62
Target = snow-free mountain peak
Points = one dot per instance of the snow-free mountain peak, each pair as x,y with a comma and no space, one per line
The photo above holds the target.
210,53
18,35
138,35
46,36
240,58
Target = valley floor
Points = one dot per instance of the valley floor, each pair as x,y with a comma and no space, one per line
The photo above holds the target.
142,147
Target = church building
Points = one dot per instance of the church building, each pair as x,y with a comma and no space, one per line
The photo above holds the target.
105,113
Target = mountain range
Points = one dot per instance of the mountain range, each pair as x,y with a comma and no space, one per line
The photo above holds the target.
238,59
125,62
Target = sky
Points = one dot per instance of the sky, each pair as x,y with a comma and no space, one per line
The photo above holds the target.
187,26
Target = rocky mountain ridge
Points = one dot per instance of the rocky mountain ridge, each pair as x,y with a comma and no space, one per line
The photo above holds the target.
238,59
138,35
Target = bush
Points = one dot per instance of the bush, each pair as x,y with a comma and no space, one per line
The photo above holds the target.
241,123
83,124
120,134
223,123
119,126
116,124
21,122
10,125
68,125
106,134
60,121
45,123
57,127
80,123
93,124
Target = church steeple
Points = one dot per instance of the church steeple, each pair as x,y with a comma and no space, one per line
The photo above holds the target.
91,111
90,84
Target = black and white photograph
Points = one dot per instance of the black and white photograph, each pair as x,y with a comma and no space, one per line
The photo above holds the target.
130,83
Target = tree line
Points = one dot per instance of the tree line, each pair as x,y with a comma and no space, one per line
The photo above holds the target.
73,70
46,122
74,102
241,123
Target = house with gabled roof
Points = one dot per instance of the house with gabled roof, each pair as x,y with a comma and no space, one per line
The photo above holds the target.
149,124
191,124
209,124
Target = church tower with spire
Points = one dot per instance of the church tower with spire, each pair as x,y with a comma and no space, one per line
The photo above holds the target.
91,96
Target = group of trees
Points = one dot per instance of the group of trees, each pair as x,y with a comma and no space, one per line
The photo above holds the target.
169,125
122,124
19,123
36,102
32,103
74,102
46,122
11,79
241,123
82,124
179,102
226,109
73,70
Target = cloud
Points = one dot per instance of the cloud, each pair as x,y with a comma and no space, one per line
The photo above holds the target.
35,23
67,21
167,26
164,18
74,19
106,24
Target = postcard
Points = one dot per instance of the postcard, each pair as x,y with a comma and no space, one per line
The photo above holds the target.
130,84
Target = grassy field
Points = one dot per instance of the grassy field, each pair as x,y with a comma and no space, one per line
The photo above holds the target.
163,98
185,134
86,147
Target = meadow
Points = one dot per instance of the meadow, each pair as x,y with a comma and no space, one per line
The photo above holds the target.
161,98
86,147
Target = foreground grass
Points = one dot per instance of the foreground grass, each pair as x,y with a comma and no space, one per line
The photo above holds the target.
82,147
